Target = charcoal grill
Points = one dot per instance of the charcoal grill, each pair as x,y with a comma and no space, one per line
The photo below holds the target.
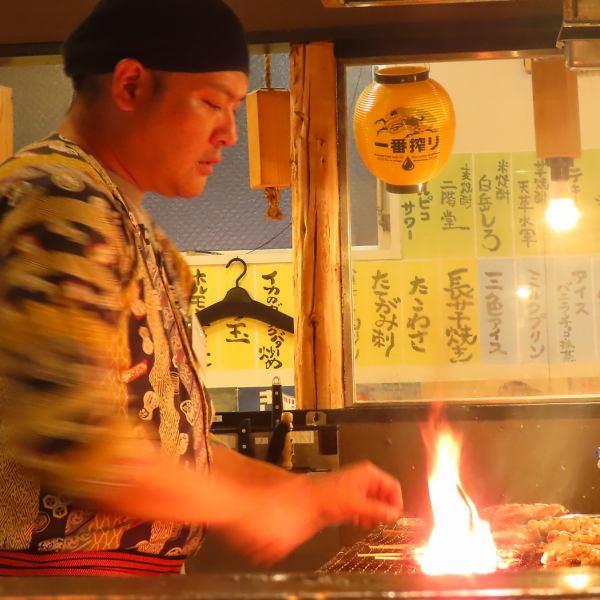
411,532
344,577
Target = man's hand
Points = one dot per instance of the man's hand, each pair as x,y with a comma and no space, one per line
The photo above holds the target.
360,493
277,511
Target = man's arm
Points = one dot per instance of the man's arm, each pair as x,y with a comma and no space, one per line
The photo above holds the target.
61,317
263,511
279,510
246,470
366,494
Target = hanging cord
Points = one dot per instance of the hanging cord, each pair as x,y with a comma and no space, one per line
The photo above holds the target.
267,63
272,194
270,239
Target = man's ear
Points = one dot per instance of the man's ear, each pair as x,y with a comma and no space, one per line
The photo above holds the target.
131,81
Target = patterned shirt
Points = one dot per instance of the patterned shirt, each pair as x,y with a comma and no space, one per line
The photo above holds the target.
96,366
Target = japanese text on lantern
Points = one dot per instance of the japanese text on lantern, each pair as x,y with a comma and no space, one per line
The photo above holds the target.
415,145
383,335
460,326
270,354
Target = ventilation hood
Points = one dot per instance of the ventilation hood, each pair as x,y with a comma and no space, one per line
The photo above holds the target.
578,36
363,3
580,33
375,29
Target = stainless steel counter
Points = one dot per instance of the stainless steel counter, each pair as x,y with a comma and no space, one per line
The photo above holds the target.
559,583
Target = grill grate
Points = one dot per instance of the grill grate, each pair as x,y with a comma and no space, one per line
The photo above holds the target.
410,533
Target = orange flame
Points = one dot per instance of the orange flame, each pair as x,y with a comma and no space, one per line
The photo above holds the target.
460,543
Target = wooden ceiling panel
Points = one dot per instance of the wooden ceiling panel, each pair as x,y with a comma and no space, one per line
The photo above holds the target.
40,21
33,22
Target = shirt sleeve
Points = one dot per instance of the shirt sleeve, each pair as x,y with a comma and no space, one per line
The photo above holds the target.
65,268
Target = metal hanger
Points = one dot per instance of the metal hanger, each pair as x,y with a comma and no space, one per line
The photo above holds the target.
238,303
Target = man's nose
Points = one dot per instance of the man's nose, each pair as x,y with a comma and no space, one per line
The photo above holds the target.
226,134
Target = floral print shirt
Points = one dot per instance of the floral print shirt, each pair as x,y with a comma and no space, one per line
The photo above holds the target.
96,367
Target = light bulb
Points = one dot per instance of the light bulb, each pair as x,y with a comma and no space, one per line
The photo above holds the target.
562,213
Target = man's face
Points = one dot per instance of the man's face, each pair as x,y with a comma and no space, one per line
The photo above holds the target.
180,132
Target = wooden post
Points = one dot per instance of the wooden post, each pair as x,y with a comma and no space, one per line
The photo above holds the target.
316,227
6,123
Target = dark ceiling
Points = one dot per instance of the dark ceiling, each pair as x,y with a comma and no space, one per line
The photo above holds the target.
38,26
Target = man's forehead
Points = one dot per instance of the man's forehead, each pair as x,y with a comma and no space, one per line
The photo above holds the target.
231,83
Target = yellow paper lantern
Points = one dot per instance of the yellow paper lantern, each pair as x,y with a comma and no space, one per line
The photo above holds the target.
404,127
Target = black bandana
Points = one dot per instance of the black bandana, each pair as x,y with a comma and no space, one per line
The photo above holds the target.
194,36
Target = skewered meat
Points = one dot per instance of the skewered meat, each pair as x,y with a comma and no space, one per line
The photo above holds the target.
570,523
569,541
584,536
519,534
565,553
503,516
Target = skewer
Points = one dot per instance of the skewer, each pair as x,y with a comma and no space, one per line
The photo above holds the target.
384,554
407,531
390,546
381,557
463,495
396,532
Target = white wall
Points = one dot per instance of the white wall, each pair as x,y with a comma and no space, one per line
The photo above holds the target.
494,106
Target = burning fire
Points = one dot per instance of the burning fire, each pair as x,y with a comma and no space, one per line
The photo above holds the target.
460,543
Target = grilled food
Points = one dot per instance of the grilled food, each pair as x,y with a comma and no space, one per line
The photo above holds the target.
503,516
553,537
526,535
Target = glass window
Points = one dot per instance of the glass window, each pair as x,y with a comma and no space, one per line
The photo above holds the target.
464,291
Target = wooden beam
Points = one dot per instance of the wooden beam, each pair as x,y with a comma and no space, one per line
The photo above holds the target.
6,123
316,227
556,109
